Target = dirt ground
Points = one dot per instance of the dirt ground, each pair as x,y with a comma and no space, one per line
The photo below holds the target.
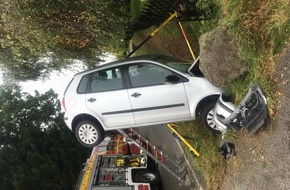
263,161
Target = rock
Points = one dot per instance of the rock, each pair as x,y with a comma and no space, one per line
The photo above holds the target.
219,59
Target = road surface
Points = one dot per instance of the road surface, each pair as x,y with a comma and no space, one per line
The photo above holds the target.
163,139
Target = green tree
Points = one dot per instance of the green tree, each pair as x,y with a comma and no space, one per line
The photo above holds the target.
37,151
29,29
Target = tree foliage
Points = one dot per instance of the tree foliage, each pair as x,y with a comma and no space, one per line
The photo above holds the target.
82,29
37,151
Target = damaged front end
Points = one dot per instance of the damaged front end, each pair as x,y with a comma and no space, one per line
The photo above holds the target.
250,114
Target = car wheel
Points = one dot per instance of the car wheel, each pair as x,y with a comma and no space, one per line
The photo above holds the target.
147,177
89,134
207,118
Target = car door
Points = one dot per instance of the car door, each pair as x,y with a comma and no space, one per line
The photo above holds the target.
108,98
152,99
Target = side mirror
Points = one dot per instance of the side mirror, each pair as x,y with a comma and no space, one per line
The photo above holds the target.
172,79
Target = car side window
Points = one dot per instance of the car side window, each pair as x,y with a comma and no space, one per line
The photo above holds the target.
106,80
146,74
82,88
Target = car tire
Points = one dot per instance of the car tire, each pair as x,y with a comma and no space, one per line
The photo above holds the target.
146,176
207,118
89,134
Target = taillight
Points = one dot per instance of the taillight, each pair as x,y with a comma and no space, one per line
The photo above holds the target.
143,187
63,104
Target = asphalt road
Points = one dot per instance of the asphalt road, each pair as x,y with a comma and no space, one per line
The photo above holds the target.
163,139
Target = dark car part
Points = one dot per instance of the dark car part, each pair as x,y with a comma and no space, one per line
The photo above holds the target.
227,149
250,114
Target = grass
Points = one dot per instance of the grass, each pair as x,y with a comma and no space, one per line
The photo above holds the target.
168,40
210,164
261,29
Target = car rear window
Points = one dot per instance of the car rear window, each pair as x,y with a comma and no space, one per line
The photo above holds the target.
82,88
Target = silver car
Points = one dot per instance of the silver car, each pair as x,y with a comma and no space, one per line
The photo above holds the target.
136,92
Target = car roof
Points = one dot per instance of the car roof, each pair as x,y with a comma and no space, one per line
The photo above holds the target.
140,57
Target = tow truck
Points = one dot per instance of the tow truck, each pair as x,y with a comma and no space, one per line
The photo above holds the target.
117,164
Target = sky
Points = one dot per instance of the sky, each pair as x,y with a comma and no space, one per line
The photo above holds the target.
57,80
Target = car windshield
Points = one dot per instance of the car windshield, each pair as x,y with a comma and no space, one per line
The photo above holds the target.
175,63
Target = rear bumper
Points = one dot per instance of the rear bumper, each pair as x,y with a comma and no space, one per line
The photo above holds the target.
68,120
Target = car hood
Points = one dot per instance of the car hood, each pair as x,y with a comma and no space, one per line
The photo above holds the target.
194,69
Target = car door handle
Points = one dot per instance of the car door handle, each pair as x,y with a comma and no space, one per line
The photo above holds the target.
92,100
136,95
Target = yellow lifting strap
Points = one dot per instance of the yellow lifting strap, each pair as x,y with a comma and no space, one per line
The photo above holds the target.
153,33
164,23
170,126
186,40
